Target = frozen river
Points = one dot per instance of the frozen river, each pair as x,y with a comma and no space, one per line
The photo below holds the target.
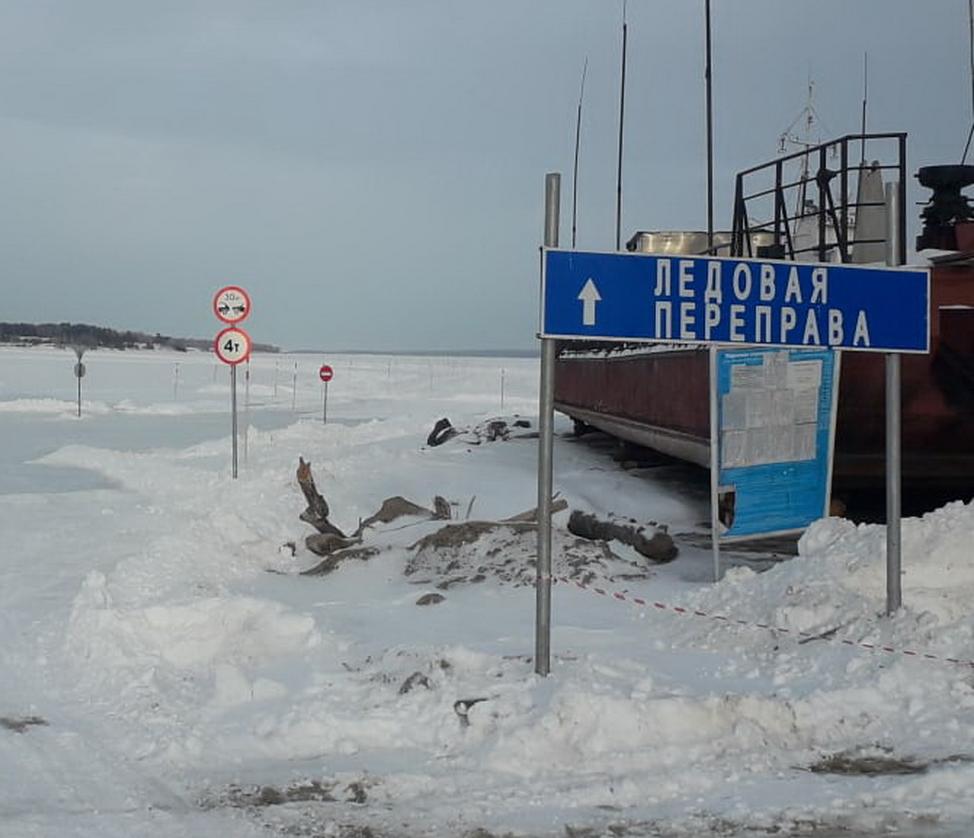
166,669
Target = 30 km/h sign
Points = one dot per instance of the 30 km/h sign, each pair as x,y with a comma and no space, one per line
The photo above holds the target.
326,373
703,299
232,346
231,304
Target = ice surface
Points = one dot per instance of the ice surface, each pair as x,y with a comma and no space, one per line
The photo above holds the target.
187,673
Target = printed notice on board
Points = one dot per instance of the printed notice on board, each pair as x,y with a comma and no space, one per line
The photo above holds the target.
775,424
770,413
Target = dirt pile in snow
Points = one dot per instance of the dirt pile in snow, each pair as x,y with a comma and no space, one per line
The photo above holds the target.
474,551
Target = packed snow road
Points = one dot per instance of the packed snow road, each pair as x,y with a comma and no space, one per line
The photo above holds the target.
166,668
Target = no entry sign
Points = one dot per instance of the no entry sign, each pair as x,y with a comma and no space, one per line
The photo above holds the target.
232,346
326,373
231,304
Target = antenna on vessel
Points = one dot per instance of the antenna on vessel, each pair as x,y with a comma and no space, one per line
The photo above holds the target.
578,136
799,134
970,19
710,138
865,96
622,111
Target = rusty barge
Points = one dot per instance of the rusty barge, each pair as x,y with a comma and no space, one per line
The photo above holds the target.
832,211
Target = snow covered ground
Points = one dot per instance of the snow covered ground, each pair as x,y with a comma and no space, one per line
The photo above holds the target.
167,670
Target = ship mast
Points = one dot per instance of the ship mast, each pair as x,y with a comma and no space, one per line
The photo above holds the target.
578,139
970,22
801,134
710,135
622,112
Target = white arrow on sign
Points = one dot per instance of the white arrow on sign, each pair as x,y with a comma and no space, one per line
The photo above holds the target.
589,295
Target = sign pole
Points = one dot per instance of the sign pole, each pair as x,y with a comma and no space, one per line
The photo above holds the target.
325,373
542,641
714,465
233,416
79,372
246,422
894,595
231,304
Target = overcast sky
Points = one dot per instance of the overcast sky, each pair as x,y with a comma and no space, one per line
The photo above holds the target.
372,171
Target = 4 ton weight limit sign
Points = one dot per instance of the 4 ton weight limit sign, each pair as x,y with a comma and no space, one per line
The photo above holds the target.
232,346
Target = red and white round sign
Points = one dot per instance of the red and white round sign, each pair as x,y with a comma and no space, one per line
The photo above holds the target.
232,346
326,373
231,304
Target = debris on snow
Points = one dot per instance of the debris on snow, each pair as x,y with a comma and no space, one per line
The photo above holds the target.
417,679
324,544
430,599
19,724
393,508
651,541
442,431
317,512
331,562
470,552
490,430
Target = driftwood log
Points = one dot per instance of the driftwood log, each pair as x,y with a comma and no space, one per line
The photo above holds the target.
317,512
655,544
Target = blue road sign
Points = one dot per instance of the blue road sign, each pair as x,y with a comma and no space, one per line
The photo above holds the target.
700,299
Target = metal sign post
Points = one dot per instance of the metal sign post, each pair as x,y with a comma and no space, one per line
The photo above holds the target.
546,420
232,345
233,418
246,431
325,373
714,465
79,372
894,596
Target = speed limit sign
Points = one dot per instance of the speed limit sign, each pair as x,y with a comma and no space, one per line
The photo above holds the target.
232,346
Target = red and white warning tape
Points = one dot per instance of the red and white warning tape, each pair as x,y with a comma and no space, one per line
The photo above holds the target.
692,612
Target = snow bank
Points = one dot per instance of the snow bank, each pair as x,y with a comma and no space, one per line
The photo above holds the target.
52,406
191,635
63,407
839,581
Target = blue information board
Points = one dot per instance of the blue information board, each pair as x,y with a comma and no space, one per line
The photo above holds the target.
776,423
641,297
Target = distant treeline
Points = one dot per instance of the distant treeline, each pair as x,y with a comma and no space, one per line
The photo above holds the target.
81,334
